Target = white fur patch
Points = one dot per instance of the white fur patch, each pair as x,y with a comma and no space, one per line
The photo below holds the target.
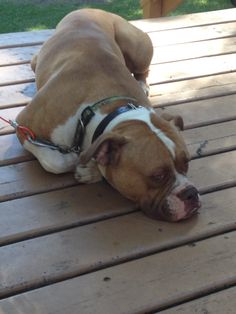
143,114
52,160
64,134
88,173
181,182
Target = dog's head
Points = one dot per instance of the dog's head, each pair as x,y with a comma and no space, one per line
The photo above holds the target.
148,164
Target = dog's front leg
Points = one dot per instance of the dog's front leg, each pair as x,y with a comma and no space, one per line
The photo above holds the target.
88,173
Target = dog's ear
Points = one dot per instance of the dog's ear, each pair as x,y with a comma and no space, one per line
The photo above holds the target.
105,150
175,120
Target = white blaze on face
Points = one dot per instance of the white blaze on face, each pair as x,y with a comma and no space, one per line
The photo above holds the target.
144,114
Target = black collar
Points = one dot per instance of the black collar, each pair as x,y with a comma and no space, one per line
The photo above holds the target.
104,123
86,116
89,112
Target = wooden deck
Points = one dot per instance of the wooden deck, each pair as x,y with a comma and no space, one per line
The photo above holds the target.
75,249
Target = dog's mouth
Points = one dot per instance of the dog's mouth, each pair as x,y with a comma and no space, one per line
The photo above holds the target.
177,206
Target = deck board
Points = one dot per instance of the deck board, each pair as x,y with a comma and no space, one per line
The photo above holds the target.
94,249
89,249
163,279
217,303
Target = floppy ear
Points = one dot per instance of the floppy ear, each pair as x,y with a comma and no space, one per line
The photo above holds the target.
175,120
106,149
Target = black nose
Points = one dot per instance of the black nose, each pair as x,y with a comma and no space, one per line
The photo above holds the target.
189,194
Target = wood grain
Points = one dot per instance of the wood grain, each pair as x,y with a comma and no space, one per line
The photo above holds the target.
186,21
147,284
217,303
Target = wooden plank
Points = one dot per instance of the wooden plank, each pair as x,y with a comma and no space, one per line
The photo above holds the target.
201,142
194,50
200,113
195,114
193,34
159,73
17,55
19,180
38,215
122,243
211,139
9,114
160,282
29,178
217,303
197,19
193,89
11,151
16,74
163,94
186,21
188,69
24,38
16,95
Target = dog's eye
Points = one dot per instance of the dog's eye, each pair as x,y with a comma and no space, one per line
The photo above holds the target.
158,177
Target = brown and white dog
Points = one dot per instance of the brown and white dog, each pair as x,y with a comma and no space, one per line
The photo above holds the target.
91,56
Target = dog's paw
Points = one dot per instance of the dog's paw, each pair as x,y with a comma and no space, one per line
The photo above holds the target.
87,173
145,87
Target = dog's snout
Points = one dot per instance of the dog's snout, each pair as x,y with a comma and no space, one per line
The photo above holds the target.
189,194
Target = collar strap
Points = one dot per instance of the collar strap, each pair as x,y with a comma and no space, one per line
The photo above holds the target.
86,116
104,123
88,113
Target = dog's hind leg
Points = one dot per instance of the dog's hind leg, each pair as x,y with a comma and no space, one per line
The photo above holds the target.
137,49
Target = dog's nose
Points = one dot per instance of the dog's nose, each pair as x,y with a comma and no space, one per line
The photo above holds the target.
189,194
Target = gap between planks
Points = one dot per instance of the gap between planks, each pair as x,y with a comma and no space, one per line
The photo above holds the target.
121,261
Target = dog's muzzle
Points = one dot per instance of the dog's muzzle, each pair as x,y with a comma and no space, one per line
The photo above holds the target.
180,204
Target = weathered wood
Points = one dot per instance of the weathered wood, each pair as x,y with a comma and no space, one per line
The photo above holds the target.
188,69
189,20
191,76
211,139
193,34
11,151
194,89
14,56
197,113
17,55
16,74
200,113
201,142
159,73
53,211
9,114
16,95
186,21
161,94
163,279
193,50
217,303
19,180
29,178
20,39
96,249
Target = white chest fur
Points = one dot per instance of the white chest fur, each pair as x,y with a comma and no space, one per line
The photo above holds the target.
64,134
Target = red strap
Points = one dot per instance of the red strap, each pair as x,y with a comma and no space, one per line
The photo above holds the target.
25,132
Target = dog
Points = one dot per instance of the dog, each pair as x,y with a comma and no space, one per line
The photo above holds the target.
91,115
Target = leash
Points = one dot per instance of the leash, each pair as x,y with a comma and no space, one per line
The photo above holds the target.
25,132
86,116
29,135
